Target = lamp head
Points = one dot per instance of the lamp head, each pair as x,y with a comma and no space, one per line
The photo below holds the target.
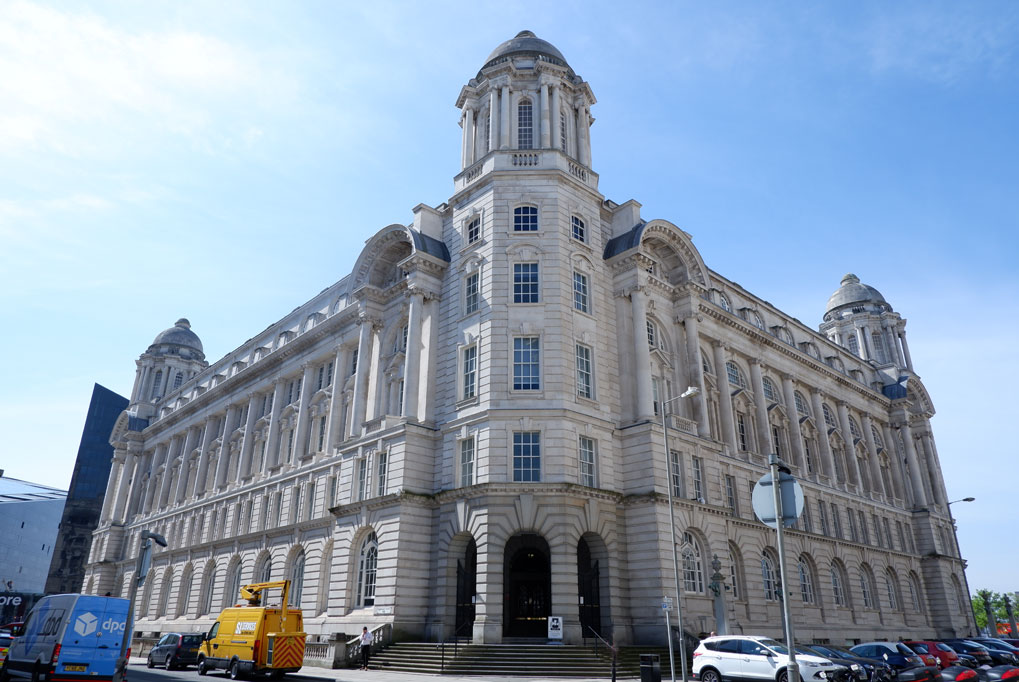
690,392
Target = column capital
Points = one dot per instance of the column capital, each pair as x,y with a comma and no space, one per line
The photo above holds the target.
719,344
755,362
786,376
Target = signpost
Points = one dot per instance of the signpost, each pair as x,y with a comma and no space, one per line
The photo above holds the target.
778,506
141,571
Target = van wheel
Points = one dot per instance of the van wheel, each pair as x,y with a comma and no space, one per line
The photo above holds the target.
202,669
4,675
36,675
235,670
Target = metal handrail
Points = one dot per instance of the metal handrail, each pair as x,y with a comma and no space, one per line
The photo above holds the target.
610,647
455,637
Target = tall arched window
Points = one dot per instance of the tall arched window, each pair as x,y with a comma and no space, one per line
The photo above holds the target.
265,570
525,125
164,594
367,566
156,383
178,380
233,591
735,374
801,404
866,587
693,572
892,587
297,580
838,586
769,578
807,593
914,593
770,392
208,585
187,582
829,416
736,573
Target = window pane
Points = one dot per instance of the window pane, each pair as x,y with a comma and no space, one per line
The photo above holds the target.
578,229
526,364
587,466
525,219
525,282
581,299
467,462
472,296
470,368
527,456
585,387
525,129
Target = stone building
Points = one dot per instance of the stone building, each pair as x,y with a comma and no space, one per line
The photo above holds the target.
465,434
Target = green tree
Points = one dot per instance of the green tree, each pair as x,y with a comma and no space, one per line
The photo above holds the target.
997,602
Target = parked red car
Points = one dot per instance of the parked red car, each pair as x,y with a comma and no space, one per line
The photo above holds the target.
943,653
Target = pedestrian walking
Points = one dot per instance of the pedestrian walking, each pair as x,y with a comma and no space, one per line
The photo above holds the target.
366,647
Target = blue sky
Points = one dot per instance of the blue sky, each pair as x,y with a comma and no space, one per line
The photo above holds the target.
225,161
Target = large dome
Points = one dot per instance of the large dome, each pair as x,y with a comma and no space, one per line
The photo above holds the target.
853,292
526,43
180,334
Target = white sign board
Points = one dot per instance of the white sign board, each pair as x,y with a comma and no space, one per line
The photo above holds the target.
763,499
666,603
555,627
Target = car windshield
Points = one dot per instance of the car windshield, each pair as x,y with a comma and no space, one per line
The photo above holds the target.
191,640
777,647
974,645
944,647
904,650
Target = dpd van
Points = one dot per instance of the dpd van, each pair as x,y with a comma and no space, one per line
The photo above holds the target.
68,637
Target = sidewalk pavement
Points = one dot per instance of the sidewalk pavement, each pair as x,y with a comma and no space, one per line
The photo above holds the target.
354,675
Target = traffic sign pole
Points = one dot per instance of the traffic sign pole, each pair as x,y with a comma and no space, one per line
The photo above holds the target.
793,667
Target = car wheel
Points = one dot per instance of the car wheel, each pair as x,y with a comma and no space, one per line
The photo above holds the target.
4,675
202,670
169,662
149,663
235,670
710,675
783,676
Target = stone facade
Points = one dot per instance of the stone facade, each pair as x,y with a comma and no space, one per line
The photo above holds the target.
465,433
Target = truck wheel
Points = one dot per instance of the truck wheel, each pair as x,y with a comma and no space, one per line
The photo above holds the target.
202,669
235,670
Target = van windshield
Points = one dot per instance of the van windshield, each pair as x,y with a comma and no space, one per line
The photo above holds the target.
191,640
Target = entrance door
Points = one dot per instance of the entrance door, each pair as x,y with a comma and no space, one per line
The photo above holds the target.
589,590
528,593
466,590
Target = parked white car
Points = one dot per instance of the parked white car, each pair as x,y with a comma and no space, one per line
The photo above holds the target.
749,658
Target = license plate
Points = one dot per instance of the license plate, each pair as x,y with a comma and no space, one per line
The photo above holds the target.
75,668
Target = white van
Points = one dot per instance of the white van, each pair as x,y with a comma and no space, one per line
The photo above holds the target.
68,637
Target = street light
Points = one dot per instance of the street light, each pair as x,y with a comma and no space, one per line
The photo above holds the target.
965,499
955,534
690,392
141,569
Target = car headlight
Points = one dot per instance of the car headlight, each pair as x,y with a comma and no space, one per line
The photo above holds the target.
852,666
809,664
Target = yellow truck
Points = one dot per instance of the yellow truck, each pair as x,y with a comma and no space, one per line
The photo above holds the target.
255,638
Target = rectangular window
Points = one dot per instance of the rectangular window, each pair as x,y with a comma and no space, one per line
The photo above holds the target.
321,375
526,363
470,372
852,526
331,492
808,523
472,293
353,362
656,395
677,475
808,456
836,521
581,297
322,433
526,456
864,531
474,230
587,462
525,282
562,131
399,397
290,445
466,462
525,127
888,532
776,437
822,515
277,506
295,503
741,430
362,479
578,229
697,469
309,501
382,473
525,219
585,383
877,531
730,495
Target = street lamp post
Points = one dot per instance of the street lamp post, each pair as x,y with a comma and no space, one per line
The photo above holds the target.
955,534
688,393
141,568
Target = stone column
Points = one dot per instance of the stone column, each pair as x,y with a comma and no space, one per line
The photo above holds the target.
272,445
875,464
822,438
557,140
895,462
116,471
248,444
335,416
905,349
203,456
764,439
493,119
642,357
795,434
504,122
933,470
412,357
303,418
693,351
361,379
129,474
915,474
233,414
583,149
852,465
864,348
150,487
546,134
428,353
164,487
185,464
724,397
894,355
468,123
137,487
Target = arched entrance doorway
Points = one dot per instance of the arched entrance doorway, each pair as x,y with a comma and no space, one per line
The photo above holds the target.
527,598
466,589
588,589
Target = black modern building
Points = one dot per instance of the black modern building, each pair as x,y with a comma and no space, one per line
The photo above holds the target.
85,498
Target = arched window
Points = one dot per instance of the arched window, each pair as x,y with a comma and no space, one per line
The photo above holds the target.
233,591
178,380
852,344
877,438
652,334
525,125
366,569
807,593
838,586
755,319
693,572
829,416
914,593
854,428
164,594
723,302
770,392
801,404
769,576
525,219
187,582
265,570
892,588
156,383
735,374
866,587
297,580
736,573
578,229
208,585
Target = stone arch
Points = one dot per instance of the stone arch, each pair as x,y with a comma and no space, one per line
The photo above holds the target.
208,587
233,579
144,607
263,567
164,592
674,251
527,593
593,582
186,590
378,265
919,396
294,571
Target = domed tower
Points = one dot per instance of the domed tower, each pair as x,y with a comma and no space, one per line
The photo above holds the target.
526,97
174,356
860,319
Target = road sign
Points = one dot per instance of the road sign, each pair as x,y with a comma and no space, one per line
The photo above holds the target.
667,604
763,499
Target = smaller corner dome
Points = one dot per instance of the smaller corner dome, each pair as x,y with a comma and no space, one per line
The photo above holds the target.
525,43
180,334
853,292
